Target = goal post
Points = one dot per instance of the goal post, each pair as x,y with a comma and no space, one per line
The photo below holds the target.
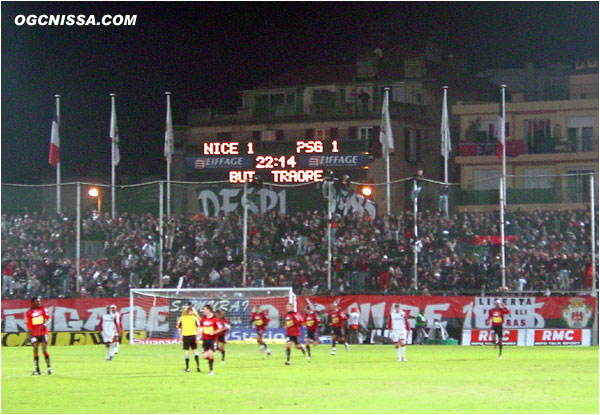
154,312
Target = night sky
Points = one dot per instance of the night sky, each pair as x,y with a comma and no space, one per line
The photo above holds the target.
204,53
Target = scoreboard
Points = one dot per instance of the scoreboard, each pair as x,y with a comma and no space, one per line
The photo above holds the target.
280,161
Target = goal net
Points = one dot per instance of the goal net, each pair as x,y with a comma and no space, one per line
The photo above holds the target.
156,311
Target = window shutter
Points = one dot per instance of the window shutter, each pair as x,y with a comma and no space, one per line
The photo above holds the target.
406,145
255,135
376,151
310,133
418,146
352,132
279,135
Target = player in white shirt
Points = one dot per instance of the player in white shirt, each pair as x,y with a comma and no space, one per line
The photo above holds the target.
108,330
117,340
398,324
353,323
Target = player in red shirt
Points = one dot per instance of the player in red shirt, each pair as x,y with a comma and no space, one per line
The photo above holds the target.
209,324
119,323
293,325
260,320
312,321
496,316
37,323
337,320
223,323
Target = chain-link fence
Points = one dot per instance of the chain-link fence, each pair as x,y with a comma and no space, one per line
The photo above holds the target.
199,239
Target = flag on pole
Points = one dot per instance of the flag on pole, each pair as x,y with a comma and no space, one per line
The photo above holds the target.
446,145
54,156
386,137
501,130
114,134
169,135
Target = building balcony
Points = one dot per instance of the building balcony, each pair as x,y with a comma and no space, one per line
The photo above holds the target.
514,148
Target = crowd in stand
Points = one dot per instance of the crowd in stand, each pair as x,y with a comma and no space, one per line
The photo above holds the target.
548,251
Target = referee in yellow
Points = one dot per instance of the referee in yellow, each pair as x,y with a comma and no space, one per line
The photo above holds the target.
188,328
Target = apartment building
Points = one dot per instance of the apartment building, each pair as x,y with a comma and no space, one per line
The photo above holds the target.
551,147
343,103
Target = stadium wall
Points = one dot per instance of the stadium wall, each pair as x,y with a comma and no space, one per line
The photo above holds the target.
73,321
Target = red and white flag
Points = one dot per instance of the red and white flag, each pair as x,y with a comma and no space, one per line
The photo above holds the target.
54,157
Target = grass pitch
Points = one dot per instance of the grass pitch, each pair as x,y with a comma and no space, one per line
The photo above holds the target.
367,379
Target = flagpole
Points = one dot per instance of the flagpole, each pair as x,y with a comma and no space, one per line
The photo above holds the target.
502,243
502,132
112,160
388,185
58,164
170,144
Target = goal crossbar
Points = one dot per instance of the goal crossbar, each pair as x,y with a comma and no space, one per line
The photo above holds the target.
158,298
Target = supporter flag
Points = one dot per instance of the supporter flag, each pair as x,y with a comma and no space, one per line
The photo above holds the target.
169,136
501,130
114,134
386,136
446,145
54,157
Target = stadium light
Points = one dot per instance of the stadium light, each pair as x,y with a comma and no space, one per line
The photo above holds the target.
366,191
94,192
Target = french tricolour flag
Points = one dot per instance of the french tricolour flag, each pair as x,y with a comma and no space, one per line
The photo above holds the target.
54,156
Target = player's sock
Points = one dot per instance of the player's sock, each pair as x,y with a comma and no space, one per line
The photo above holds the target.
398,352
187,362
47,358
108,353
500,350
303,351
210,364
116,347
36,361
403,351
333,344
308,349
222,355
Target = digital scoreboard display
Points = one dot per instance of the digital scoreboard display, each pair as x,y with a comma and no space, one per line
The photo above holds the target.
279,162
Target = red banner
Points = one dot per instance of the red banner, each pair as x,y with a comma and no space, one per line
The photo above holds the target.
74,315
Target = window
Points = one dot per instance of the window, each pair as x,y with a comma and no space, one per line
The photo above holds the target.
268,135
578,186
538,178
398,93
579,133
224,136
366,133
412,145
322,134
486,179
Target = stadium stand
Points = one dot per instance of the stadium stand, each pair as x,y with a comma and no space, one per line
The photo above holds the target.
547,250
